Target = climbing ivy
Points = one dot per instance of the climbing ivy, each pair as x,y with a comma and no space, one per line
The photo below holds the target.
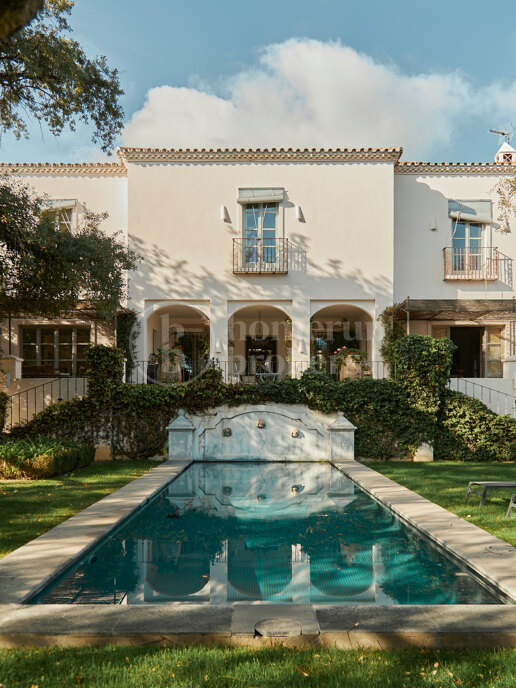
390,422
105,368
4,398
393,332
127,331
423,368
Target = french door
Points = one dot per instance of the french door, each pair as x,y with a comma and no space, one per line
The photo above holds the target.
467,249
260,223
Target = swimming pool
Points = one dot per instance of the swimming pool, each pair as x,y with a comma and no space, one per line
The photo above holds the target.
277,533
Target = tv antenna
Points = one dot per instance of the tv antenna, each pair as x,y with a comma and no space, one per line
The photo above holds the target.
502,133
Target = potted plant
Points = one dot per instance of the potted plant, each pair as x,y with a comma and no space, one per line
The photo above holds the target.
352,363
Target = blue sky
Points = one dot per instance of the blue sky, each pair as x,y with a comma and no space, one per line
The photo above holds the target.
432,77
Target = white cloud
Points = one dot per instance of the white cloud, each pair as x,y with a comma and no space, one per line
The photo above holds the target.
306,93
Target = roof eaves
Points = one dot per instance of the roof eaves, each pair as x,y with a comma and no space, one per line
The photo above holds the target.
257,154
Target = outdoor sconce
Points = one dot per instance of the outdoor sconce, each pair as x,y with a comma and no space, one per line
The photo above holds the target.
218,347
301,347
433,225
224,213
298,212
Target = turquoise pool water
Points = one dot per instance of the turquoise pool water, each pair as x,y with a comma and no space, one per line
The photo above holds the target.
290,533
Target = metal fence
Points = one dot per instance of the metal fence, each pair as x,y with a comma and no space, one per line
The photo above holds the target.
499,402
240,370
260,255
22,406
477,263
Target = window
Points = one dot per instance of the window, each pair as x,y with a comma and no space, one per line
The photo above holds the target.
64,213
64,218
260,223
480,350
50,351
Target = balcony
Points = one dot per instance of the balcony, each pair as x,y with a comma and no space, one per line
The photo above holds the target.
484,263
260,256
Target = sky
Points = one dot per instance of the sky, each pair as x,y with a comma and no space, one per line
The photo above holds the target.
432,77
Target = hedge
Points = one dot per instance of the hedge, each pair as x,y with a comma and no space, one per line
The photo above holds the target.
135,420
42,457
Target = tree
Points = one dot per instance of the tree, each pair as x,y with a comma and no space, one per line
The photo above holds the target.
46,267
15,14
506,190
46,74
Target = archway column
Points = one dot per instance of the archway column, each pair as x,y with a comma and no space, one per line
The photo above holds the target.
219,329
300,337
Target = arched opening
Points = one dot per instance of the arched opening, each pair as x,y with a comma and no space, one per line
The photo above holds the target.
178,341
259,344
336,330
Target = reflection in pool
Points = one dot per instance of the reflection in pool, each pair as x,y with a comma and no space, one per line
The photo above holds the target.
271,532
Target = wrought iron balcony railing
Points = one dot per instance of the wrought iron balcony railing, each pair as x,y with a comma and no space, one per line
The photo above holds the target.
258,256
477,263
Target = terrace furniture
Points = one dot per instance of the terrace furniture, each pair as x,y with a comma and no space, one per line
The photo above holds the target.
512,505
486,485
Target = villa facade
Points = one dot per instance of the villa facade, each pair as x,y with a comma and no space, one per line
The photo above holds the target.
266,260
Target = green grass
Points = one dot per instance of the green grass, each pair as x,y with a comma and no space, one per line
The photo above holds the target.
445,484
130,667
29,508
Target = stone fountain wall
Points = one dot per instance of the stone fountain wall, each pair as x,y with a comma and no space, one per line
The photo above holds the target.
271,432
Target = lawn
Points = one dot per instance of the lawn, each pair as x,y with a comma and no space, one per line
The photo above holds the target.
131,667
445,484
29,508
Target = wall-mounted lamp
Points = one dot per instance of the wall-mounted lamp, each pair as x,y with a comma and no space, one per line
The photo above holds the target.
433,225
218,347
298,212
301,347
224,213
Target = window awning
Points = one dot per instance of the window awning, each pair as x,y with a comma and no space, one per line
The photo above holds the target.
471,211
270,195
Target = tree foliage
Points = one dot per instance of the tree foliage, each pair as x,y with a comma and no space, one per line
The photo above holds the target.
46,269
46,74
15,14
506,191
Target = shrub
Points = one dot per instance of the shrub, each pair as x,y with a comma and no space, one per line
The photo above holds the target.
42,457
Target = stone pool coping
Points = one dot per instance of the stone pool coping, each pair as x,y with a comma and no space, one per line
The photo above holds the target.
29,568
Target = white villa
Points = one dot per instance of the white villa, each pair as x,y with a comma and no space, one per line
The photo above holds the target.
265,260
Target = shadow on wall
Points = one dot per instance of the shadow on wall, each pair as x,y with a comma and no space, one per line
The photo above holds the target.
161,276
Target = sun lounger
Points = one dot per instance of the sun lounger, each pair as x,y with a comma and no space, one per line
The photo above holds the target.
486,485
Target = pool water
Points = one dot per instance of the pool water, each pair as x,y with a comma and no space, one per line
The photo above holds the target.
288,533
